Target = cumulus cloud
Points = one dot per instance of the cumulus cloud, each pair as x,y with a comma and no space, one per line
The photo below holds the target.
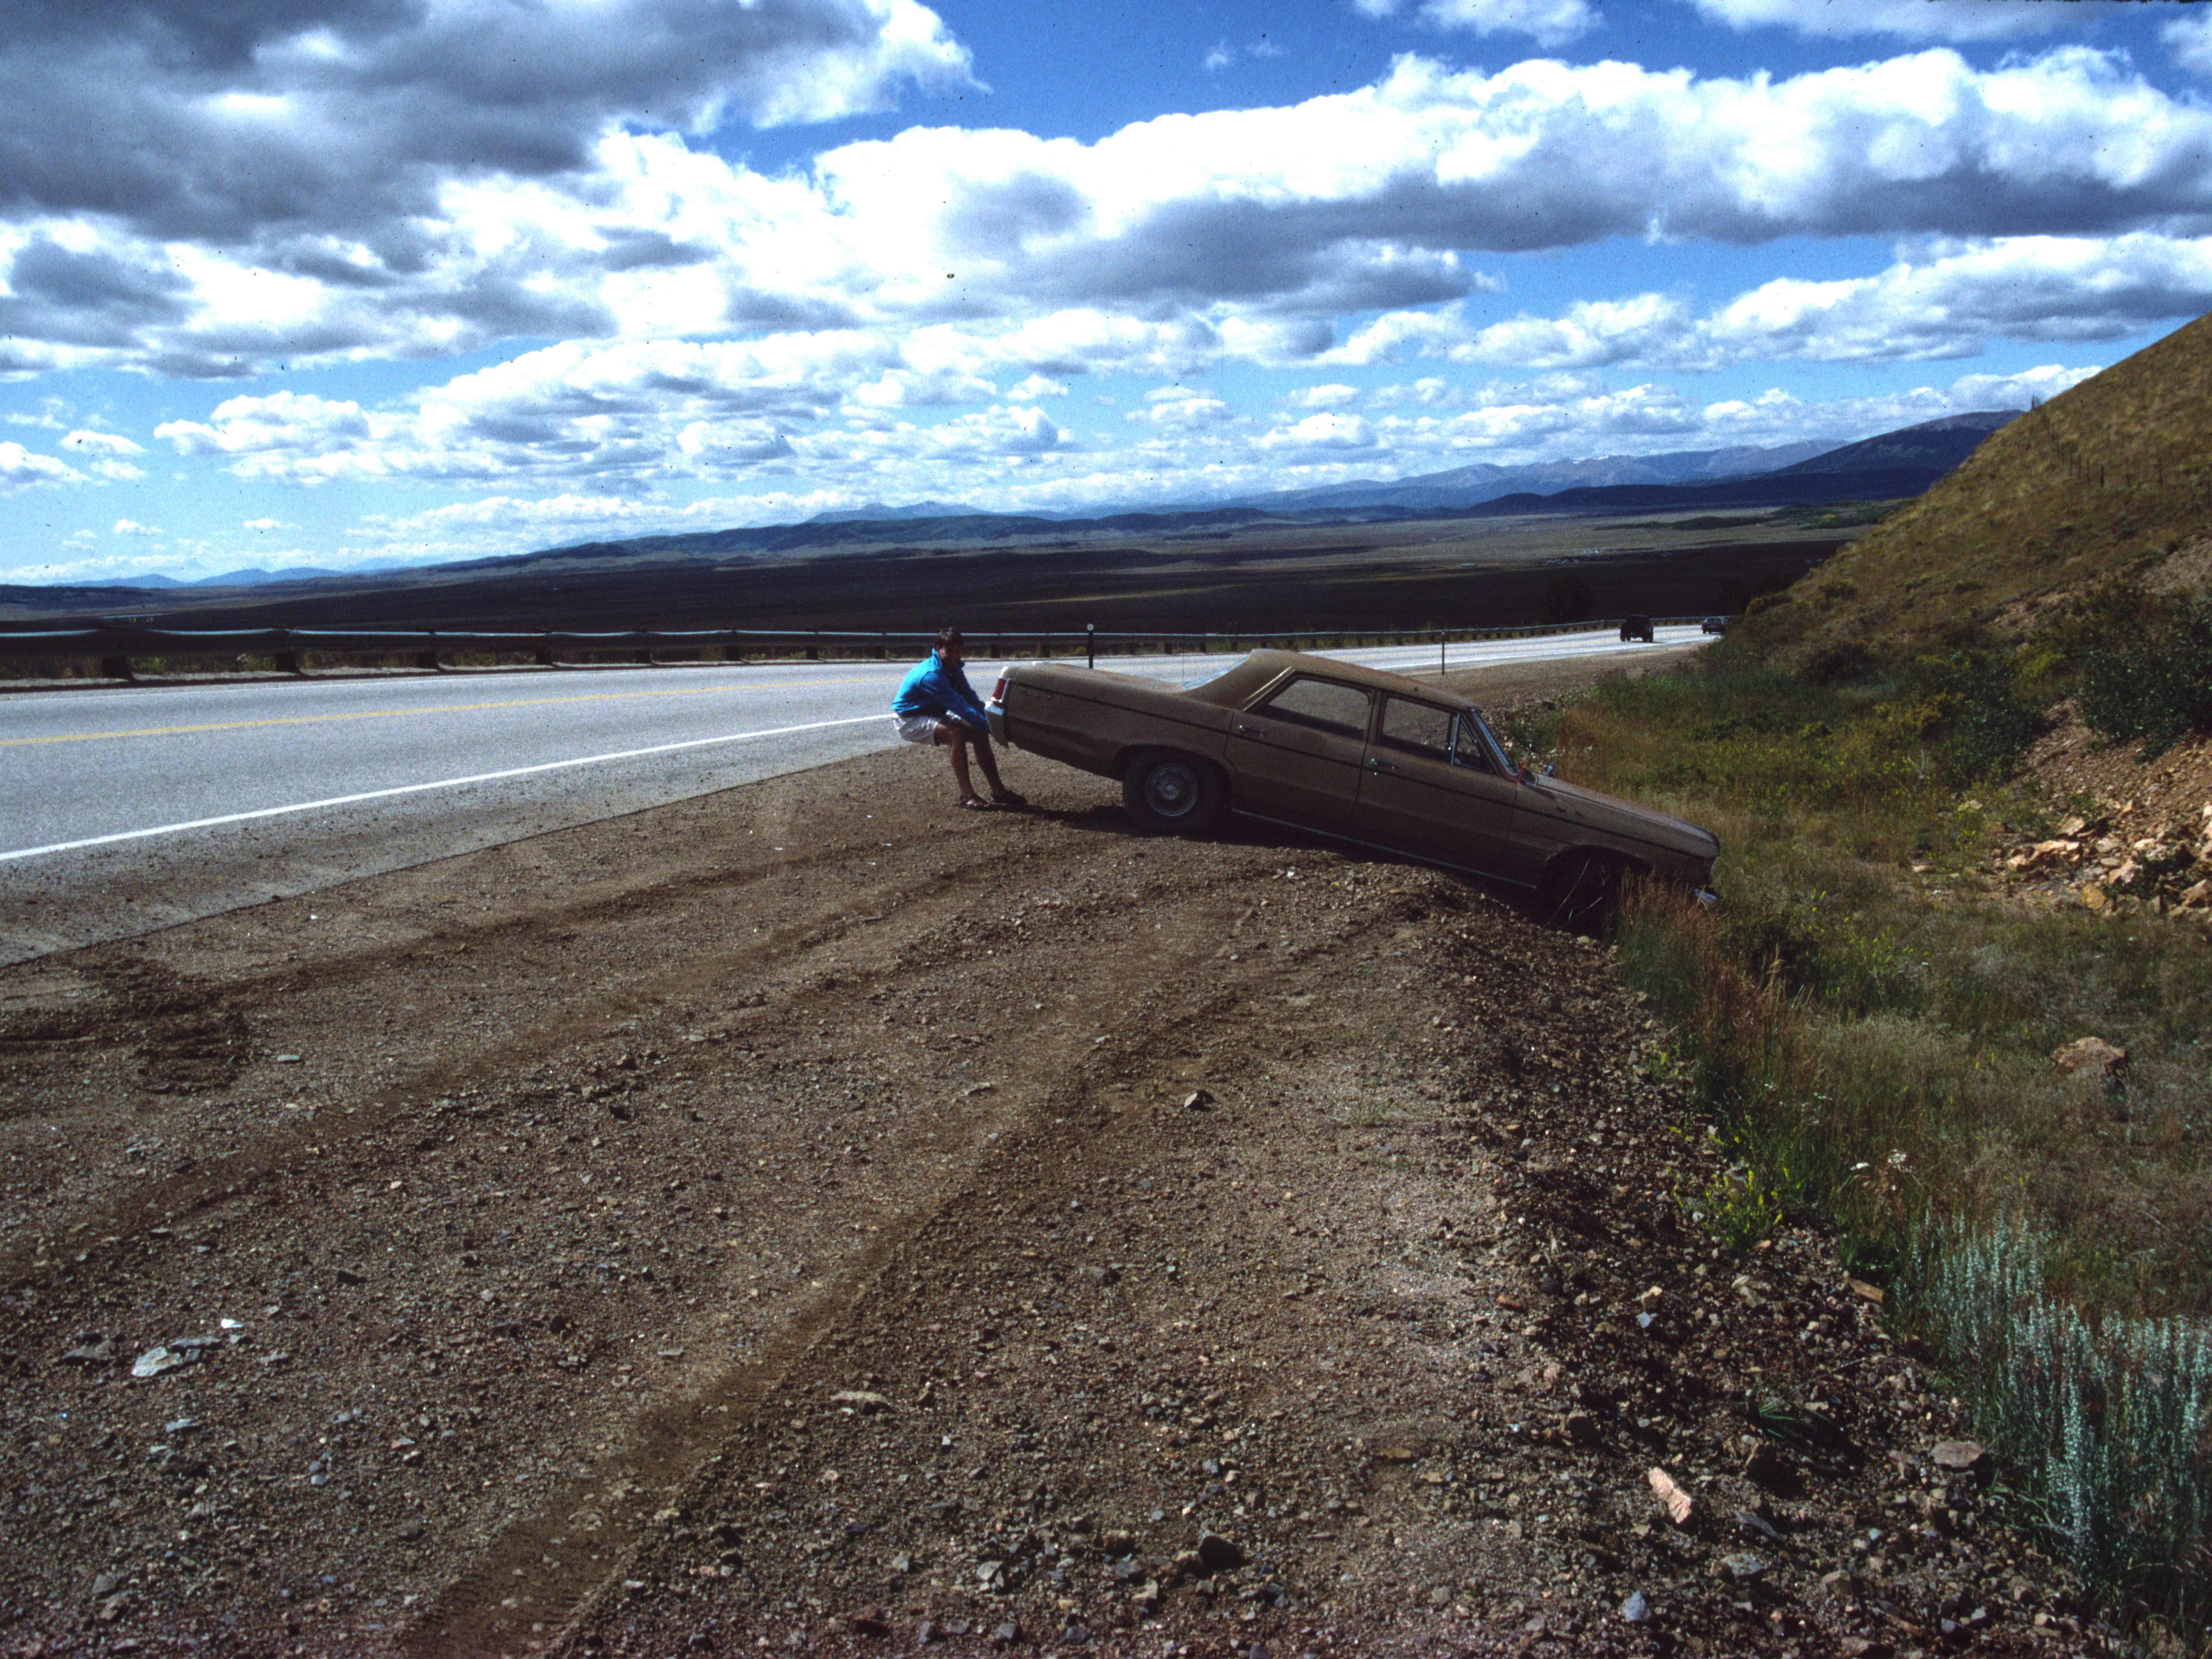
1277,222
1910,20
1181,408
1950,301
107,454
20,468
132,527
2190,40
222,122
1549,22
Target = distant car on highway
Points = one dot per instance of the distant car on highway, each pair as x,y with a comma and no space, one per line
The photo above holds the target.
1714,625
1361,755
1636,628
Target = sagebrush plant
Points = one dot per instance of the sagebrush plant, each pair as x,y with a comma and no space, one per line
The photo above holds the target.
1881,1058
2109,1421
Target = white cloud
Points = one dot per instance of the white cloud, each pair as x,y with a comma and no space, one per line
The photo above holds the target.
1549,22
1181,408
132,527
1950,301
265,524
2190,40
104,453
1910,20
1328,430
20,468
1323,397
1218,57
1276,222
1031,388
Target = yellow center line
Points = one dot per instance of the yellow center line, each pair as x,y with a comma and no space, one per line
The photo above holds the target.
428,708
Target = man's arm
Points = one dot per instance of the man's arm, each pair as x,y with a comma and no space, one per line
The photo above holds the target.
960,702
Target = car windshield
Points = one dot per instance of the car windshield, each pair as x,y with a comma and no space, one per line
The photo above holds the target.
1478,746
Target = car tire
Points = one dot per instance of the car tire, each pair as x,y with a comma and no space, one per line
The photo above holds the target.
1580,893
1172,794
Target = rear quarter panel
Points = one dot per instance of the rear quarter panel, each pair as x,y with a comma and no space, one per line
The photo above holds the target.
1095,721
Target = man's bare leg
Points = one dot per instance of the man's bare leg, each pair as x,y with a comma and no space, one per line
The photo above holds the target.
955,737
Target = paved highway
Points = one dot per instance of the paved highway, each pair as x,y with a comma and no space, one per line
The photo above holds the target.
123,809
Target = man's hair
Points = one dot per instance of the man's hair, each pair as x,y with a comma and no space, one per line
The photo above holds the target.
947,636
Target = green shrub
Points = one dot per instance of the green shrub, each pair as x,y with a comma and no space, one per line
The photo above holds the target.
2153,680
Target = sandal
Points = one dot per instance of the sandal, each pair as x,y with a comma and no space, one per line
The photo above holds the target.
1008,797
974,803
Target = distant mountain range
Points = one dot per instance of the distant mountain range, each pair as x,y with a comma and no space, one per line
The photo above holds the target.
255,577
1463,487
1890,467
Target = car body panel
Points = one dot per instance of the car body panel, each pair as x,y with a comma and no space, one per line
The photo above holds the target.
1289,754
1302,764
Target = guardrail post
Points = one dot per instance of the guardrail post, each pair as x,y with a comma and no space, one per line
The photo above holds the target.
429,658
644,652
545,654
814,650
286,657
1091,645
116,668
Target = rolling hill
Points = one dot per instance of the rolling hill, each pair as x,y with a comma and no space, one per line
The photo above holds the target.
2111,478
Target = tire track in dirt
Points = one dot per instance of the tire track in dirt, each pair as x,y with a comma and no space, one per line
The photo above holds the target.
170,1028
533,1586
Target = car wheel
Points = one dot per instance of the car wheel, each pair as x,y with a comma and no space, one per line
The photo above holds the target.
1168,794
1580,893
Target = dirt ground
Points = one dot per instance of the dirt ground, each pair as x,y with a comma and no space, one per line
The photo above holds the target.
812,1219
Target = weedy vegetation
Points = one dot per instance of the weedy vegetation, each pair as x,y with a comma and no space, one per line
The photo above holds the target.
1870,1031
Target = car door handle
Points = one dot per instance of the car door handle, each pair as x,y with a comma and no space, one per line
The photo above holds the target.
1251,730
1377,764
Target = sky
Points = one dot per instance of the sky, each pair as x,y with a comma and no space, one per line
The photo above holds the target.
343,284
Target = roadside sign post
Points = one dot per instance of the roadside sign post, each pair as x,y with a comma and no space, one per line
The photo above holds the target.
1090,644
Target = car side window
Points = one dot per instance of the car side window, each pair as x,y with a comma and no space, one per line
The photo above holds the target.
1325,705
1471,750
1417,728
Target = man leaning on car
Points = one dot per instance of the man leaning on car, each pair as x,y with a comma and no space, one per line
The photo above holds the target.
935,704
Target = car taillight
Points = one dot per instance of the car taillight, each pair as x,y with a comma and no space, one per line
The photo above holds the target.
998,691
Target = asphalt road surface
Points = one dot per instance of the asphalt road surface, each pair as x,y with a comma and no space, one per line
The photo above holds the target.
126,809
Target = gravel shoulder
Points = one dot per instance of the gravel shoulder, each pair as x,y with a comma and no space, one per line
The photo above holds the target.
815,1218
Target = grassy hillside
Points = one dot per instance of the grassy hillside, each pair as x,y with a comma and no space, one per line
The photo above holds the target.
2106,480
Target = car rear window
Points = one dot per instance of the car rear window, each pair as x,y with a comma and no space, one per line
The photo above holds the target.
1325,705
1417,728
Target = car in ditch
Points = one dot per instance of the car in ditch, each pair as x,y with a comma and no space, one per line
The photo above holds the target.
1373,758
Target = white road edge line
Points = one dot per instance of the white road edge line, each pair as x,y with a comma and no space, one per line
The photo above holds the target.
442,783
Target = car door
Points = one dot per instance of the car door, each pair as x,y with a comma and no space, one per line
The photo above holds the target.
1297,753
1430,789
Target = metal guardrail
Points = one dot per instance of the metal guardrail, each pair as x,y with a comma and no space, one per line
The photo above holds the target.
114,645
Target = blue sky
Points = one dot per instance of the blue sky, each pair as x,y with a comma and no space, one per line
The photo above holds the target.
341,283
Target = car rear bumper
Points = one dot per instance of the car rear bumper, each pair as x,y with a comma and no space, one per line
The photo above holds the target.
995,717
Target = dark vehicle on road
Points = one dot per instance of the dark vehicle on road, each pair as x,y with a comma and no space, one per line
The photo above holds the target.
1714,625
1372,758
1636,628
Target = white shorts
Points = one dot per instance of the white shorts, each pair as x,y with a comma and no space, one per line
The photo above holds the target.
917,728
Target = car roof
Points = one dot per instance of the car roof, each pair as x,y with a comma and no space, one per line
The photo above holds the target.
1239,684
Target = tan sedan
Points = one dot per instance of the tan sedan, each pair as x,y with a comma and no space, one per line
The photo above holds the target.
1373,758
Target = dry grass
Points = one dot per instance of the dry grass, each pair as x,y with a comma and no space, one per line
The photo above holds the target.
1873,1045
2106,480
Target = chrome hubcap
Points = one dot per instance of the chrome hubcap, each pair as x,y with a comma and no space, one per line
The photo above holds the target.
1170,790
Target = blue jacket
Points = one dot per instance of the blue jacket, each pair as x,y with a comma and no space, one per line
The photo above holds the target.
931,688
